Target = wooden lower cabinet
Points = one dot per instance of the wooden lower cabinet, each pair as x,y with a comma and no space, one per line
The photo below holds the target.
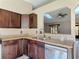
25,46
10,49
36,50
40,50
32,50
15,48
20,48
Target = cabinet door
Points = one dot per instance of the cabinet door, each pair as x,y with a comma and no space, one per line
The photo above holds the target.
9,19
40,50
9,50
32,50
32,21
25,47
20,47
4,18
36,50
15,20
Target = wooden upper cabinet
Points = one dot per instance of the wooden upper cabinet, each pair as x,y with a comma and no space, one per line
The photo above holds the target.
15,20
33,20
9,19
4,18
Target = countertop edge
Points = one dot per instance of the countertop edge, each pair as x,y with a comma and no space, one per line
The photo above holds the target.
29,38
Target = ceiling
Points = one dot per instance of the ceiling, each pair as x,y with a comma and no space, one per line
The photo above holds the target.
53,16
38,3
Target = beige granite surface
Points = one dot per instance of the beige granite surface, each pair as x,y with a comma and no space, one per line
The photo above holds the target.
65,43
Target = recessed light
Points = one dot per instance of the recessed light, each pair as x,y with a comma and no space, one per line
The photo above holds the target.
77,10
48,16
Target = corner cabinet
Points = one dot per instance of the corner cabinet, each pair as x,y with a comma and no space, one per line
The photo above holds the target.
33,20
36,50
9,19
16,48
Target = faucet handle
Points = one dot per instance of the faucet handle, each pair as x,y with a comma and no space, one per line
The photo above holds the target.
21,32
41,32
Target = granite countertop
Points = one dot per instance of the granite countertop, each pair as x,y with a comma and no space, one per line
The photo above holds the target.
56,42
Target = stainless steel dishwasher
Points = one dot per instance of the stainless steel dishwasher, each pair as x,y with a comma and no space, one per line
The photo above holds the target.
53,52
0,49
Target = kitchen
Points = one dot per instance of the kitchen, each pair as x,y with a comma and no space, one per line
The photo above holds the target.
23,32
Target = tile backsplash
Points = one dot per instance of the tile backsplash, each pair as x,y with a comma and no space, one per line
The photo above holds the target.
14,31
61,36
33,33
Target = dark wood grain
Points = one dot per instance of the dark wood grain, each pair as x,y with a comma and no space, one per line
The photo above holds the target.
15,20
10,49
40,50
33,20
25,47
9,19
36,50
32,50
4,18
16,48
20,48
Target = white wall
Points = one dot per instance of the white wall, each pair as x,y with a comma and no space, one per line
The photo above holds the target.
7,31
18,6
25,21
